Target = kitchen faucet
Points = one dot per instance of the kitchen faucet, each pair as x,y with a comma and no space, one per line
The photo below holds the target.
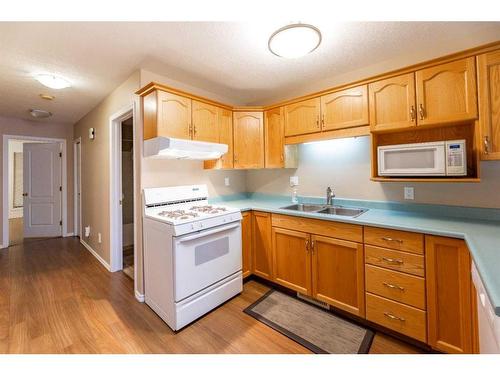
329,196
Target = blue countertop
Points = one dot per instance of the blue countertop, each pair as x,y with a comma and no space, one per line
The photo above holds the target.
481,235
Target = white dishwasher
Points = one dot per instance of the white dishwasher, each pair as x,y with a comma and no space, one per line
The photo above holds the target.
489,322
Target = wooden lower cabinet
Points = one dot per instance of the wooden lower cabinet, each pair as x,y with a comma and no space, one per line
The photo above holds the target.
292,259
449,291
246,243
261,245
337,273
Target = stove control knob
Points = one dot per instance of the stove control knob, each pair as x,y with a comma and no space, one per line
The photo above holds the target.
201,225
192,226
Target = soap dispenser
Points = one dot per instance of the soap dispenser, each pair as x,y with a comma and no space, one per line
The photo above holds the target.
295,196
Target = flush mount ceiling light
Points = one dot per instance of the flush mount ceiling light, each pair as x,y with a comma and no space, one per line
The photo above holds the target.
52,81
40,113
294,40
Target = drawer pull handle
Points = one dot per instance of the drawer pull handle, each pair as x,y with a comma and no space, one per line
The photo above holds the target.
392,286
394,261
390,239
394,317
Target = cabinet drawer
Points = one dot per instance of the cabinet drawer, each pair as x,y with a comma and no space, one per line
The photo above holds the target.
395,239
395,260
404,319
397,286
325,228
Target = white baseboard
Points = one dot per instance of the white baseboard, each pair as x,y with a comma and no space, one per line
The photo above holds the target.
93,252
69,234
139,297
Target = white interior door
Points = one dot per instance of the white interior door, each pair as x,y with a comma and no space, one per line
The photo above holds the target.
42,189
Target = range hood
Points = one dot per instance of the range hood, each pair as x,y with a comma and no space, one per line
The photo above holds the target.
175,148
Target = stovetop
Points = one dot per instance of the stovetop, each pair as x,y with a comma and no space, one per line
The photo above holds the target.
186,212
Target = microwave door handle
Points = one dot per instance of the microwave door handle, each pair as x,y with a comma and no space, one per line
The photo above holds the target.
208,232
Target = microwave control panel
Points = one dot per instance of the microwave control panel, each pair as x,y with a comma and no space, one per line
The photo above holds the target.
456,158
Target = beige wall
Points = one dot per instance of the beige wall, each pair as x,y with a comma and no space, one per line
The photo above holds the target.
344,164
46,129
95,163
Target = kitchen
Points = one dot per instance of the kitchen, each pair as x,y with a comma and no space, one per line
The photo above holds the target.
353,213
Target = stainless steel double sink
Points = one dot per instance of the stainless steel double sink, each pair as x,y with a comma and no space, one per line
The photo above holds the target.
324,209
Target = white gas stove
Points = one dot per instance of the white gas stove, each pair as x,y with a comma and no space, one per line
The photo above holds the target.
192,253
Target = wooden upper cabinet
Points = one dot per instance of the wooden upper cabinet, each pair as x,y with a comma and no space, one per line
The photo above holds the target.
226,136
248,128
449,291
303,117
489,104
274,133
345,109
246,243
338,273
262,261
292,259
392,103
446,93
166,115
174,115
205,122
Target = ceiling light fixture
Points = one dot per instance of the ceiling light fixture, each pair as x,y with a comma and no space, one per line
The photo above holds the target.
294,40
40,113
52,81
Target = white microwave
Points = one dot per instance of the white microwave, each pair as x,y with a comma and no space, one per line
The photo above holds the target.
446,158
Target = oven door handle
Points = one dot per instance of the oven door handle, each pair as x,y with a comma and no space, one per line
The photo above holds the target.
208,232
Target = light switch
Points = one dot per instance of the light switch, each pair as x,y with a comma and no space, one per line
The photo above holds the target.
99,239
87,231
409,192
226,181
294,181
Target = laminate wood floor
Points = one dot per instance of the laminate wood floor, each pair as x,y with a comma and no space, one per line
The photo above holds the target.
55,297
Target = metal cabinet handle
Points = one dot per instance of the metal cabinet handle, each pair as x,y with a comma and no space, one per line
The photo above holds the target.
323,119
486,145
390,239
307,245
194,130
312,245
412,113
317,121
421,111
190,129
393,286
394,317
282,157
391,260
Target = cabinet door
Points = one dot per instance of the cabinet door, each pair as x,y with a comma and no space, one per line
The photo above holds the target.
392,103
262,245
174,115
337,273
248,130
225,120
489,104
205,122
246,243
345,109
274,138
449,305
302,117
292,259
447,93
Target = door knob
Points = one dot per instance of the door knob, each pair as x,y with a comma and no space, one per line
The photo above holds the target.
25,194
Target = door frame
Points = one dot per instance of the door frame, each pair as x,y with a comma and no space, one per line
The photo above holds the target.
115,209
77,180
5,182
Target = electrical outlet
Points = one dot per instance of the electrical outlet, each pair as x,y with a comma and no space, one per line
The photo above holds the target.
226,181
99,239
409,192
87,231
294,181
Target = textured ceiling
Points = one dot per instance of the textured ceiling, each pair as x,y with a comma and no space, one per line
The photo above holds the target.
228,59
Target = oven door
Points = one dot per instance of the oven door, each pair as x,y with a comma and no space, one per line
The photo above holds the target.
426,159
206,257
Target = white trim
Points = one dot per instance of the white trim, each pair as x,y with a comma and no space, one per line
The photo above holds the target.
115,189
5,182
139,297
69,234
76,170
93,252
